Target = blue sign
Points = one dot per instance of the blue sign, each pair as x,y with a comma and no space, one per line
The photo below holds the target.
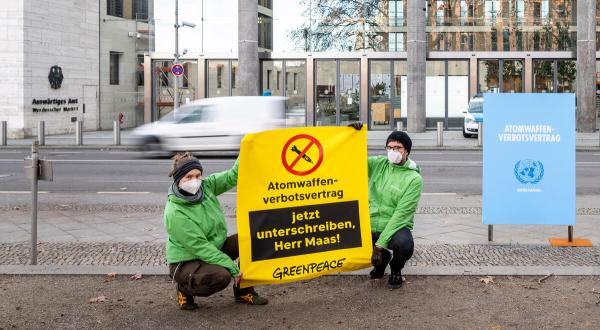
177,69
529,159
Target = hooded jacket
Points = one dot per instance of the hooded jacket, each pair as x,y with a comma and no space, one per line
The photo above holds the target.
197,229
394,193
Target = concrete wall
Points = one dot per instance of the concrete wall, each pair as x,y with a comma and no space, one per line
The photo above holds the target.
121,98
11,66
63,33
77,36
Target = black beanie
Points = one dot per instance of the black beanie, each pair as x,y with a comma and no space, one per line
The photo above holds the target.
184,168
401,137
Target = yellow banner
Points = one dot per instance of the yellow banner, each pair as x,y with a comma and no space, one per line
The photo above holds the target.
302,204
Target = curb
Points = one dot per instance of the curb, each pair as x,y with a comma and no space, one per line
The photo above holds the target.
369,148
408,270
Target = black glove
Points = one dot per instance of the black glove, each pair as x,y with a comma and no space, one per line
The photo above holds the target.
357,125
377,256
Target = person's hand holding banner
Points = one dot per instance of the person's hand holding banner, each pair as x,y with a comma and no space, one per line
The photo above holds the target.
302,206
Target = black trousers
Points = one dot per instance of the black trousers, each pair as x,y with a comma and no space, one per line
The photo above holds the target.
402,246
198,278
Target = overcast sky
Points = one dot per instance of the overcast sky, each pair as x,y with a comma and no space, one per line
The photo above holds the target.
220,25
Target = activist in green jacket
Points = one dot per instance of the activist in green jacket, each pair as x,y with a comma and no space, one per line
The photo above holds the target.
395,186
394,193
200,255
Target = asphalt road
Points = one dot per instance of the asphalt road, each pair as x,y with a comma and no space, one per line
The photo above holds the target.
126,172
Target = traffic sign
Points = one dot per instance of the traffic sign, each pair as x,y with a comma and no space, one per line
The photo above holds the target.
177,69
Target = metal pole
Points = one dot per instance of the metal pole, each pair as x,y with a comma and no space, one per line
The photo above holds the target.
3,133
440,134
34,196
176,61
78,132
490,233
42,133
116,133
570,234
479,134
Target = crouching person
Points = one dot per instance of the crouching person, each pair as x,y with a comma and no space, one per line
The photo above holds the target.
395,185
200,255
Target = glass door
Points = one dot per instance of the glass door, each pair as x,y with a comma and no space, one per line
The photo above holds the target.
337,92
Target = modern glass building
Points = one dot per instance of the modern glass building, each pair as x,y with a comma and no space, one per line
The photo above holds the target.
348,60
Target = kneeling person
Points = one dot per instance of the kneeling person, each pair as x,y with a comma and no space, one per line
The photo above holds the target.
395,185
200,255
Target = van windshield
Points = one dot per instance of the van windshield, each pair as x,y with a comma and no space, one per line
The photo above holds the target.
476,106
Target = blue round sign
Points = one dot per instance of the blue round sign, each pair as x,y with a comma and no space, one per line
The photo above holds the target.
177,69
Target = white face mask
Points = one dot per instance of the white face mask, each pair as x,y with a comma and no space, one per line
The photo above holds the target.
395,157
191,186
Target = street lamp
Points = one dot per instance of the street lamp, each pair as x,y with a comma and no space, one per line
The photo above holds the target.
176,61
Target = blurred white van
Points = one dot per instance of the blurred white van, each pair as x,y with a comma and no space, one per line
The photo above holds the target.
212,124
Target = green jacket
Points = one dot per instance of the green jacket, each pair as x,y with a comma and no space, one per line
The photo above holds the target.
197,230
394,192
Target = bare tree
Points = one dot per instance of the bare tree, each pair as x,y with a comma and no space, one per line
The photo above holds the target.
341,25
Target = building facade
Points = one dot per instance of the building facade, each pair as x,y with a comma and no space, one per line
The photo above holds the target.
73,60
350,60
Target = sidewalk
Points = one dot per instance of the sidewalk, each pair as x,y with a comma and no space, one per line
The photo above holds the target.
376,140
450,239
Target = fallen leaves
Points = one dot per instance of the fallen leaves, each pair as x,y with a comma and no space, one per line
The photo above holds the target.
136,277
597,295
486,280
540,280
97,299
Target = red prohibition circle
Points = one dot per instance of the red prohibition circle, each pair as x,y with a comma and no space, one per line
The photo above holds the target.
290,167
177,69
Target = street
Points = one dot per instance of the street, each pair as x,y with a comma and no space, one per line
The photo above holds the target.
125,172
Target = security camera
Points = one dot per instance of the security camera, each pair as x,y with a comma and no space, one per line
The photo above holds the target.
184,51
188,24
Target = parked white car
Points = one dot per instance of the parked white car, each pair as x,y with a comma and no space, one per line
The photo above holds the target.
473,116
212,124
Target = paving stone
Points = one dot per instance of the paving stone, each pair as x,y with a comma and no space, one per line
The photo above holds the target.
152,254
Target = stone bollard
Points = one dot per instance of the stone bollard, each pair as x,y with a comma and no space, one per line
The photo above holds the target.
116,133
440,134
79,132
42,133
479,134
3,133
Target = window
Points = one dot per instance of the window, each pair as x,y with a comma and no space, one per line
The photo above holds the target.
220,76
114,8
464,12
520,11
278,79
140,9
396,14
140,70
491,11
130,9
233,71
265,31
114,68
396,42
505,39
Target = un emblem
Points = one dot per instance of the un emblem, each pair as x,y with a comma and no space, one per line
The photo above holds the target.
529,171
55,77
